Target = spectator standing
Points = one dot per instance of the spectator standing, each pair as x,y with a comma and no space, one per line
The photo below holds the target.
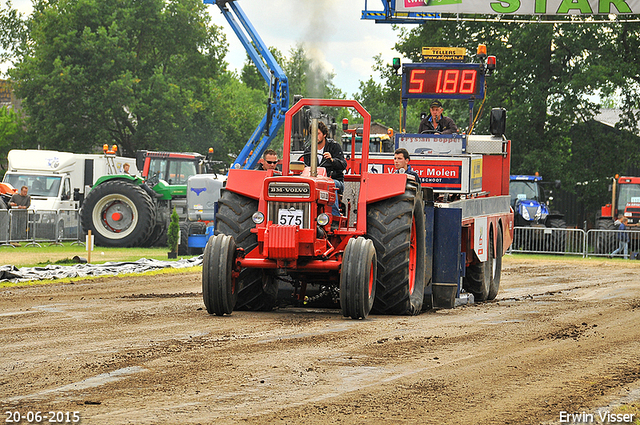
623,239
21,200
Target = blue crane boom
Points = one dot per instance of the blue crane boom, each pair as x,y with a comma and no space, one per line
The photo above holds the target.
278,101
388,14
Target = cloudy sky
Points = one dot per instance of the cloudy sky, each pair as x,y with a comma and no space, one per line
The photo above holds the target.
329,29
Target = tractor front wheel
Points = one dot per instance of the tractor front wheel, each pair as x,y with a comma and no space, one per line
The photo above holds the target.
218,285
234,219
358,278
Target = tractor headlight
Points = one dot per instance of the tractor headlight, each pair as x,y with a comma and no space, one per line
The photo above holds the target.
525,212
323,219
257,217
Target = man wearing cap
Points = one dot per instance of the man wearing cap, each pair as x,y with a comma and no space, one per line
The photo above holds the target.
436,123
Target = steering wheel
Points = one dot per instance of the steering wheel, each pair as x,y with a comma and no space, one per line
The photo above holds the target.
153,180
428,132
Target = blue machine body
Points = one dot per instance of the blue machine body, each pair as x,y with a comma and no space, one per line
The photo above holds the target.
278,102
527,200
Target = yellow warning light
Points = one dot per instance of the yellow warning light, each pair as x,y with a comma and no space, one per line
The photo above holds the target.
482,50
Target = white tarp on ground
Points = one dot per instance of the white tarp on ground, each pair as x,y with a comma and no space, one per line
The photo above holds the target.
13,274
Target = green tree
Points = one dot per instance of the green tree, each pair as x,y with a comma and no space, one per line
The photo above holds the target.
137,72
382,100
173,233
11,124
13,27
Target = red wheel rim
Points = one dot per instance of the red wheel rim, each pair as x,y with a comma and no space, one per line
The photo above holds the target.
413,255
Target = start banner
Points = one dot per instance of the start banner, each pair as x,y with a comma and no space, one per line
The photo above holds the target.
522,7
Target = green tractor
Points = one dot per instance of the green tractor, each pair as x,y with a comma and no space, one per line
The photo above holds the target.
134,209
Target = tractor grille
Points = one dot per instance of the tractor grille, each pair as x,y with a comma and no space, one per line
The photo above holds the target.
532,212
274,207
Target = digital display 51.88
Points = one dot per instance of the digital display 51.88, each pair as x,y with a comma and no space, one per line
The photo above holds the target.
459,81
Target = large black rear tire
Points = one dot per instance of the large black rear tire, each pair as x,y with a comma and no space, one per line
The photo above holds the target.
606,241
234,219
358,278
218,286
397,228
183,246
118,213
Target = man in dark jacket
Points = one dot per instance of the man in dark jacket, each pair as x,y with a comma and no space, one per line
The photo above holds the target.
436,123
330,157
330,154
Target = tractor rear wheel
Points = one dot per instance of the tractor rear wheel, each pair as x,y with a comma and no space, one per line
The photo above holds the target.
397,228
496,267
118,213
156,237
218,285
606,241
183,246
358,278
234,219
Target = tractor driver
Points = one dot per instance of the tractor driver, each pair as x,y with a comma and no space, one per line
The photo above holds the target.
435,122
330,157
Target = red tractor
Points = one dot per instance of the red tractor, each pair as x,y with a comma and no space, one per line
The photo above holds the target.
273,227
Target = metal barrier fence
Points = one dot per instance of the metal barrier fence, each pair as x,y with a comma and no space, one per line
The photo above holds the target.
39,226
592,243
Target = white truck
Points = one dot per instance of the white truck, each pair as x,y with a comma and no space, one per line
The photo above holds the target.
58,182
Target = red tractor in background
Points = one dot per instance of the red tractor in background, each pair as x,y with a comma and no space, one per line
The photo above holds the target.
273,227
625,200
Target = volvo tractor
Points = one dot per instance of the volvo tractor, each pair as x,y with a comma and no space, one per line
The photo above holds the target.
274,229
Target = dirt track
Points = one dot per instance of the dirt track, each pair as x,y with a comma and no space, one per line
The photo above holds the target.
562,336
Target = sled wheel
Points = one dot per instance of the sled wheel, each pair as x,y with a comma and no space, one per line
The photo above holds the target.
494,286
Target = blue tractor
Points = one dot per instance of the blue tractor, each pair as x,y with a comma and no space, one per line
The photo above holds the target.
531,209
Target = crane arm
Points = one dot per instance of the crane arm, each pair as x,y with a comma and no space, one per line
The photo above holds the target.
278,101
